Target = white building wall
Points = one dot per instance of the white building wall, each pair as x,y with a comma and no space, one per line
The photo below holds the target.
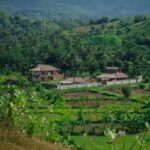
96,84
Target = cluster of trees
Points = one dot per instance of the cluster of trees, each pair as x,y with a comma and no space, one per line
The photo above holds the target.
122,43
106,19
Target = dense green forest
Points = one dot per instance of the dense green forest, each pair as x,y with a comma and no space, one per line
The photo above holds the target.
76,47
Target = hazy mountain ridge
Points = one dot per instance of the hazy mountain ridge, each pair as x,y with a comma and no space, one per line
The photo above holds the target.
86,9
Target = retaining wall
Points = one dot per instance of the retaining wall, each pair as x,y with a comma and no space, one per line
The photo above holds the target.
96,84
63,87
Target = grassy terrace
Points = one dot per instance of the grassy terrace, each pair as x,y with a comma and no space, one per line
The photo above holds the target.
72,113
101,142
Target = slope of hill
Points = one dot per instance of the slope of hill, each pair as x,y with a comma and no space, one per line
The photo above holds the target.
111,27
85,50
14,140
76,8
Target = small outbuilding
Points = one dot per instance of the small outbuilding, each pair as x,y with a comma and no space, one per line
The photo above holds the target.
112,74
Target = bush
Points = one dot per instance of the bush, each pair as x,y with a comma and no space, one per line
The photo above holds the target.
147,87
126,91
103,20
15,79
134,123
138,19
141,86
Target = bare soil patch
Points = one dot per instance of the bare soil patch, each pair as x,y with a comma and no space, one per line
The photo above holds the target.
135,92
139,92
15,140
94,103
93,128
80,94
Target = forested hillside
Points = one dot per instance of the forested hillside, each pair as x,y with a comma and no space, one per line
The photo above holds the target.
84,50
73,9
48,108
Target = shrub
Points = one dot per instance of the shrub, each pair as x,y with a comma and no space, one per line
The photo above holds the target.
134,123
138,19
103,20
148,88
141,86
126,91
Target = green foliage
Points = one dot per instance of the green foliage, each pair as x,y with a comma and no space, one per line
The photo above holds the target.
105,40
103,20
10,105
16,79
108,117
110,94
94,90
82,51
141,86
45,112
138,19
30,128
126,91
113,139
134,123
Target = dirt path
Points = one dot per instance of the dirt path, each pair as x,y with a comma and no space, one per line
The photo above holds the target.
79,94
135,92
94,103
93,128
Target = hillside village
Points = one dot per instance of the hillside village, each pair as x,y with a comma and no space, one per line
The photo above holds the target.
74,84
47,74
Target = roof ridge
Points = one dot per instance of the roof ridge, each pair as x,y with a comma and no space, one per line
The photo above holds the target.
44,67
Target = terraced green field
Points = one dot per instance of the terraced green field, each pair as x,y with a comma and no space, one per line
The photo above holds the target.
79,117
93,110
